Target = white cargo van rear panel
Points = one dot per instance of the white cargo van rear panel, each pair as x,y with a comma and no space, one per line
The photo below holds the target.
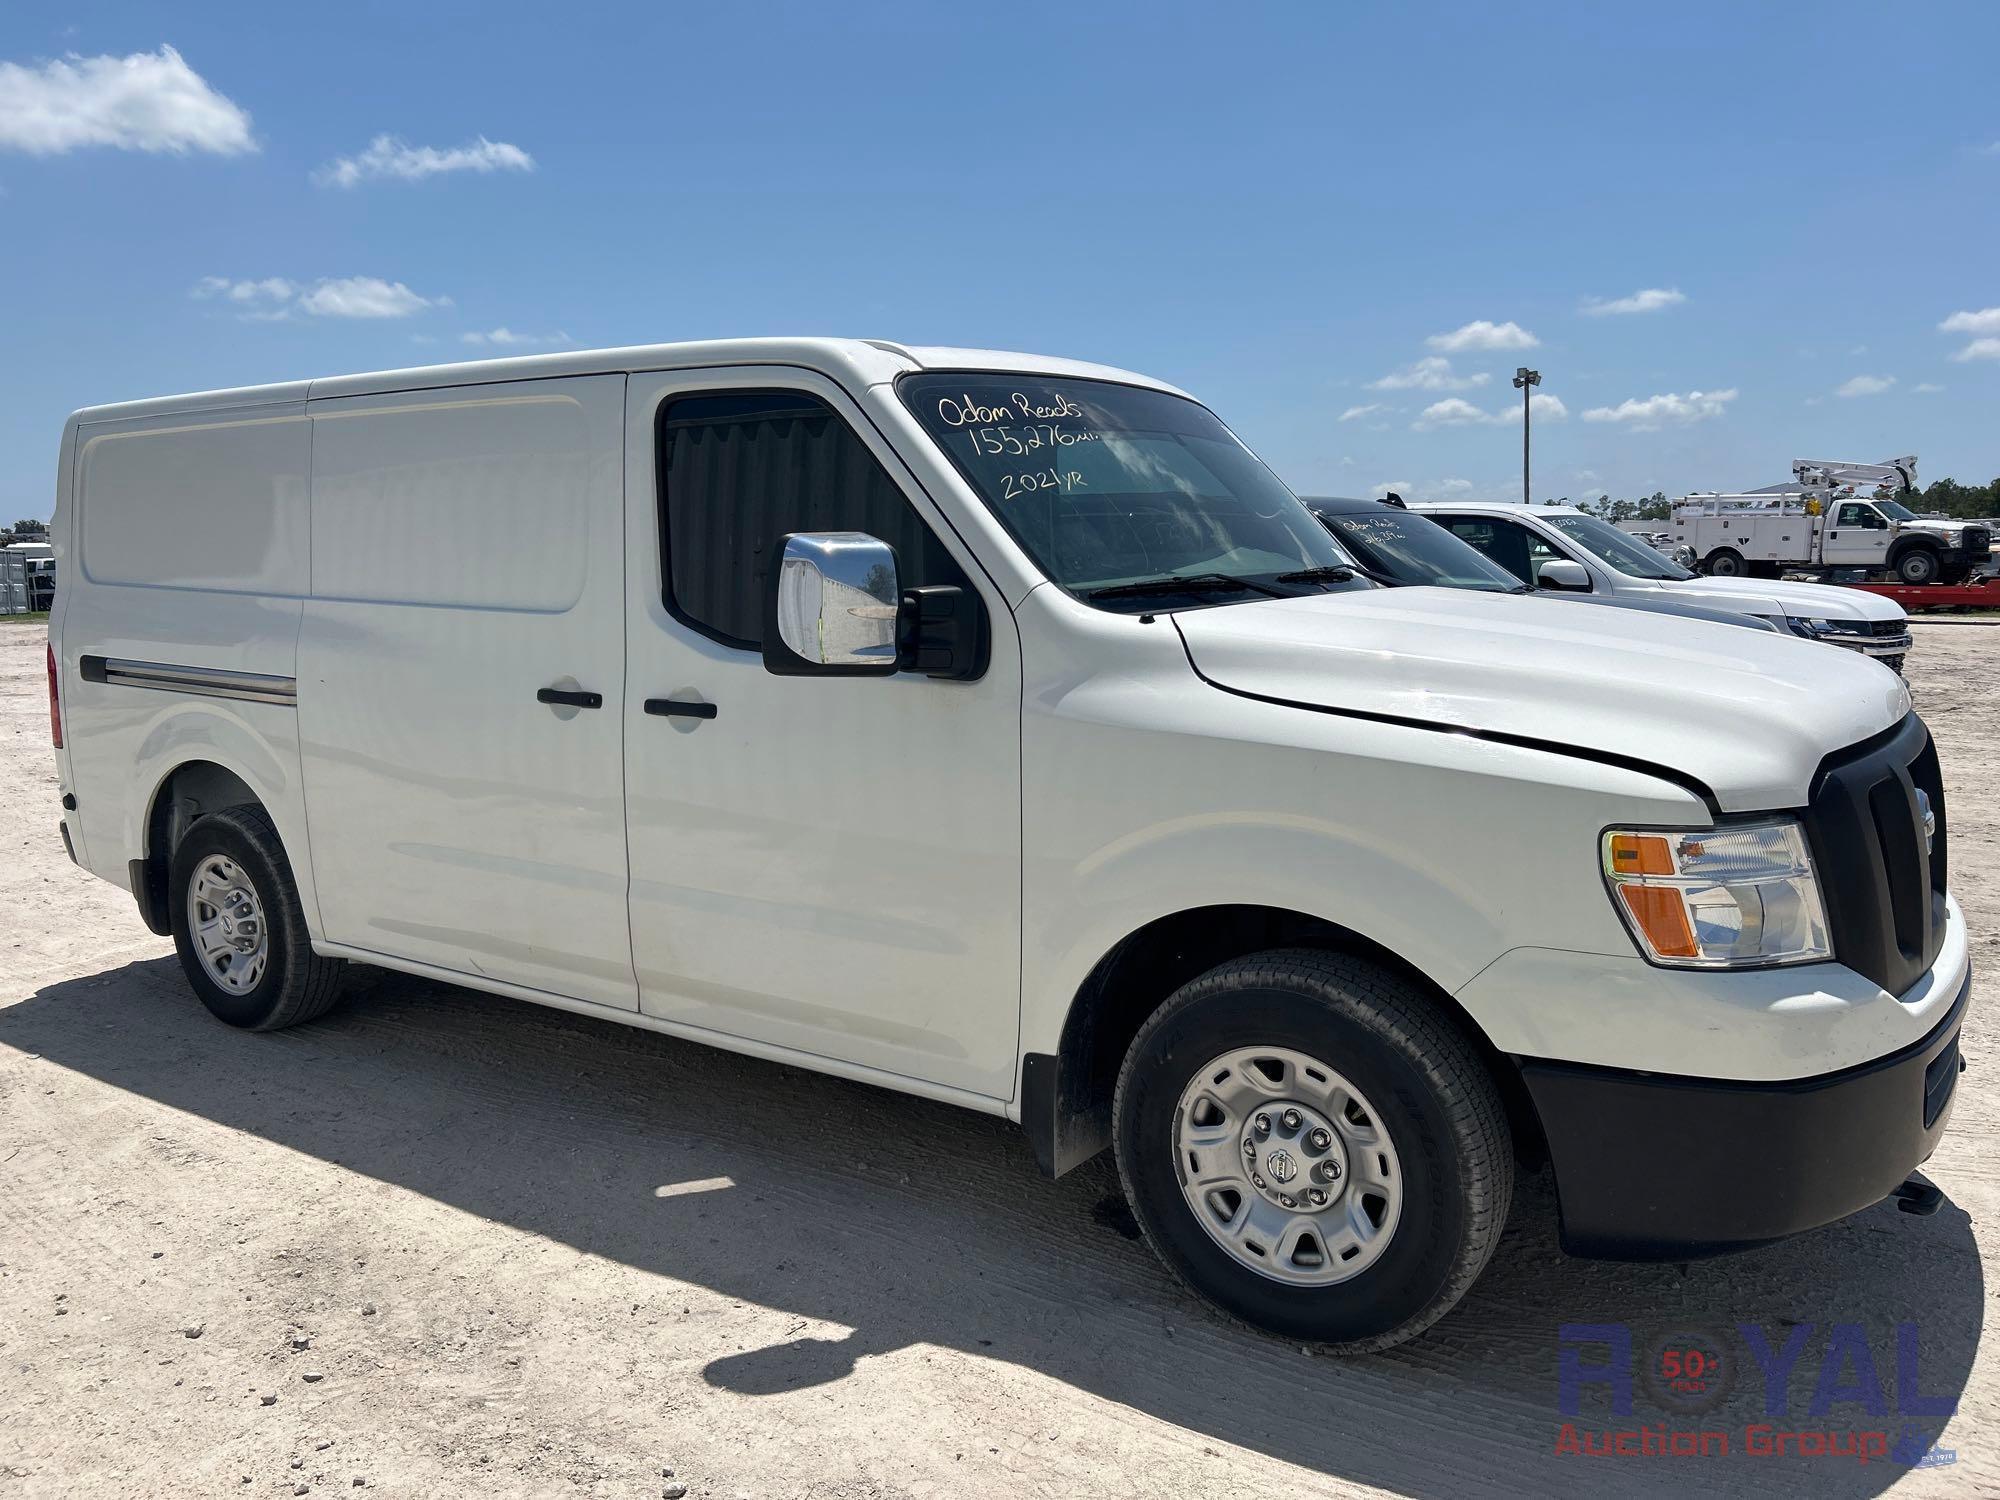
189,532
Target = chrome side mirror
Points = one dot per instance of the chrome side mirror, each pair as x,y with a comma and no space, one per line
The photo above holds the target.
1565,574
830,606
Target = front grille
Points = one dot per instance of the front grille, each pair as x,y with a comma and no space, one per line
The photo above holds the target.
1887,627
1884,893
1893,663
1978,541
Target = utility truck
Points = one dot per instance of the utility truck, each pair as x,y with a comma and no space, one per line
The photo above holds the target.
1822,522
1000,729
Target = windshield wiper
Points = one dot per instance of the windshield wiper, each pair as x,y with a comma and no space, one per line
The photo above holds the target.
1326,573
1184,583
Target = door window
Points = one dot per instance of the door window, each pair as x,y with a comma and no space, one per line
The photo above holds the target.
1855,515
738,470
1511,545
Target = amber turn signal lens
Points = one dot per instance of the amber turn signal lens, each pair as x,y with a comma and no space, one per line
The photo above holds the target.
1640,854
1659,913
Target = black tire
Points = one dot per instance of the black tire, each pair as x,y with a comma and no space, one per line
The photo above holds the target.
297,985
1723,562
1435,1097
1918,565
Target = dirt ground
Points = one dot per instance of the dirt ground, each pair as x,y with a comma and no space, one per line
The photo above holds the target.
446,1244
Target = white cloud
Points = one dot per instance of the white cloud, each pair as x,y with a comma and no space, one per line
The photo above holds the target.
1453,486
1927,388
1354,412
1455,411
1986,320
364,297
1398,485
507,338
270,289
1979,349
1431,373
1865,385
1483,335
274,299
1657,411
387,156
148,101
1652,299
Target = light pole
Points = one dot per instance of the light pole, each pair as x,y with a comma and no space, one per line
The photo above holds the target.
1525,380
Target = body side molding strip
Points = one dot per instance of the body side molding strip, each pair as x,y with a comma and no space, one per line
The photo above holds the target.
207,682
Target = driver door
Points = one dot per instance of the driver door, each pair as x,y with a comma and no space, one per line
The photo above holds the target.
823,865
1857,535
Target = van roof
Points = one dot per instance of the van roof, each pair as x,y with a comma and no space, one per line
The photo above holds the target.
857,362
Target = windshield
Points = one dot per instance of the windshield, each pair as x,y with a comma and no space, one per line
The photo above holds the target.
1616,549
1411,549
1112,487
1895,510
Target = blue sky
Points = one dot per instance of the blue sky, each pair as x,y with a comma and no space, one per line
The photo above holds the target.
1277,207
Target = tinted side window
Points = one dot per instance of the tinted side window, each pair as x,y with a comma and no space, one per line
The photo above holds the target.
1853,515
1502,541
740,469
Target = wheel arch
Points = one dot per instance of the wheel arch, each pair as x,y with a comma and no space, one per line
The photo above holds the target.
183,793
1903,545
1066,1096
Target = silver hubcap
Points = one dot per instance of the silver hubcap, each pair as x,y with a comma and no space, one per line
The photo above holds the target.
1287,1166
228,924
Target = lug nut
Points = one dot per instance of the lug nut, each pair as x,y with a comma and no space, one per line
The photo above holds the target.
1330,1170
1320,1140
1256,1179
1287,1201
1250,1149
1318,1197
1291,1118
1263,1124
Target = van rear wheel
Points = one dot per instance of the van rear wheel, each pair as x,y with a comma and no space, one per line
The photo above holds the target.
240,929
1309,1145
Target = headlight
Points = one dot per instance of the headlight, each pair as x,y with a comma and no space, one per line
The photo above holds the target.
1719,898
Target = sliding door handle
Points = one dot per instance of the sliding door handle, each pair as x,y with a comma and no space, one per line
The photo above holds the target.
679,708
570,698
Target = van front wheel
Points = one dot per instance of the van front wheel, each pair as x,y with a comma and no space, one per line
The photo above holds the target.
1309,1145
239,927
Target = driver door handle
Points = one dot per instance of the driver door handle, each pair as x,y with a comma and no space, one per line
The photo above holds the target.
676,707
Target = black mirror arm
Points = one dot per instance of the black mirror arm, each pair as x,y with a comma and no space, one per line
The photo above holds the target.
941,632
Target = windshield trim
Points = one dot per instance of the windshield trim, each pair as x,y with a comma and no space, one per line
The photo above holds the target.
1251,593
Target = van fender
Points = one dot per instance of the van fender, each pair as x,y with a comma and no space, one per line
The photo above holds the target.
257,745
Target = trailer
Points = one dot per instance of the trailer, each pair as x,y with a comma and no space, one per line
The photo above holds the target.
1982,594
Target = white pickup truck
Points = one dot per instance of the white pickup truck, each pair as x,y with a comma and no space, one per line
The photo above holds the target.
1759,535
1560,547
999,729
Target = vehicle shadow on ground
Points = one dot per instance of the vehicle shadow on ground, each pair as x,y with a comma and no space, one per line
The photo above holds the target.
847,1199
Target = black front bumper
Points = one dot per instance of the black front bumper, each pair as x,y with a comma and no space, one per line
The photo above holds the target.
1650,1167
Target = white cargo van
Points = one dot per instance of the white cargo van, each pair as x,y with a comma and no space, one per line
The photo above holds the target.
999,729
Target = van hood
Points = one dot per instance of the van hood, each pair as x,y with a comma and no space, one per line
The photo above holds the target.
1746,713
1805,601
